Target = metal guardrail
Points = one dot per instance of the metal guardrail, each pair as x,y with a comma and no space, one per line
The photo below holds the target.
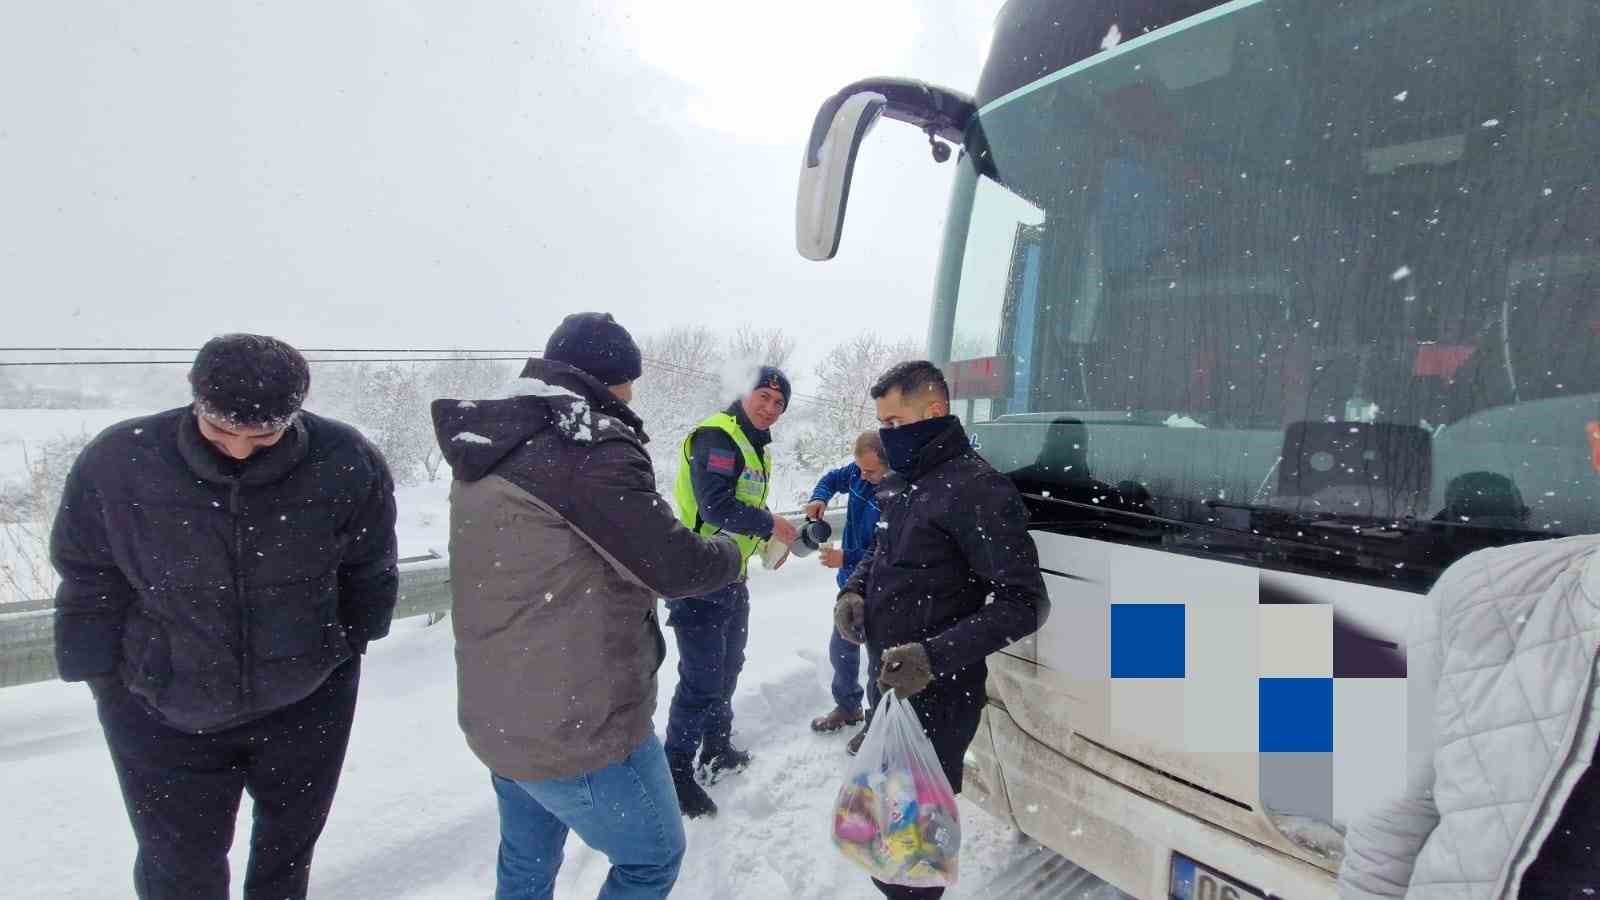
28,640
27,630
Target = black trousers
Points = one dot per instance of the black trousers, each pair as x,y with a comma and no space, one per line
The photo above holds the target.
182,791
711,647
950,715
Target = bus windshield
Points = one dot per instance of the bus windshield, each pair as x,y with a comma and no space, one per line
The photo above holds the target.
1315,284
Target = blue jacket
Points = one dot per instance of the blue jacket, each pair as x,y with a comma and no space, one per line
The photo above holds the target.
861,515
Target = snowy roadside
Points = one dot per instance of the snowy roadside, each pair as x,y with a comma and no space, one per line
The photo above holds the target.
415,816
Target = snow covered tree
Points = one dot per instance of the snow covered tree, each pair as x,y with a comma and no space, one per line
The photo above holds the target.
768,347
677,390
394,413
339,390
845,378
27,509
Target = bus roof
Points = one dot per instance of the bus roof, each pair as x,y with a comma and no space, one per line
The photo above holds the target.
1033,38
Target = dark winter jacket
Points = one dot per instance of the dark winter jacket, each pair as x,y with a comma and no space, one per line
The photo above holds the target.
219,591
714,488
559,547
861,513
953,566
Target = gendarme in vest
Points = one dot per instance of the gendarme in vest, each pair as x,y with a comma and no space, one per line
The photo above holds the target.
751,489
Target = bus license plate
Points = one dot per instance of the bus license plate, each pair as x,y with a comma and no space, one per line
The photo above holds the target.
1194,881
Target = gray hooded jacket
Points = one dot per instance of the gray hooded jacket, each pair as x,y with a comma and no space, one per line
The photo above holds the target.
559,547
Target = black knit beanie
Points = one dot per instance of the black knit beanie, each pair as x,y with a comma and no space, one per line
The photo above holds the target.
596,344
773,377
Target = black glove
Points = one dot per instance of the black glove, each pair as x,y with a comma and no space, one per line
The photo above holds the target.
906,669
850,616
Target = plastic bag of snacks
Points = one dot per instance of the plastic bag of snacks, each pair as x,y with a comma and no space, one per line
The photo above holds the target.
896,815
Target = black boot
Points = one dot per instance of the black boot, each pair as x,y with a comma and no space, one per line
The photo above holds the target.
854,746
726,761
693,800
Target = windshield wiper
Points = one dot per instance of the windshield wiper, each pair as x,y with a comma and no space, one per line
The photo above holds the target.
1384,526
1356,523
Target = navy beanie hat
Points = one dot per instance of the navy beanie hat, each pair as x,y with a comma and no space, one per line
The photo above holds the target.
595,343
773,377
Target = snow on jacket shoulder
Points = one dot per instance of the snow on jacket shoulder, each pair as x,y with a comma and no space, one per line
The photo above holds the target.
1500,664
559,547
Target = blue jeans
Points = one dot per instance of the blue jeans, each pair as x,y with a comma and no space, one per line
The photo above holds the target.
846,659
710,658
628,811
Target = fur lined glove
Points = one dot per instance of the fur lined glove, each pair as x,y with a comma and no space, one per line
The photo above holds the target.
906,669
850,616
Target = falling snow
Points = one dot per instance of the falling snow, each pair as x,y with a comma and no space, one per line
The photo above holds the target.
415,819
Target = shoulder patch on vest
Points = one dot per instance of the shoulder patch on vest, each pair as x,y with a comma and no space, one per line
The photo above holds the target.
721,461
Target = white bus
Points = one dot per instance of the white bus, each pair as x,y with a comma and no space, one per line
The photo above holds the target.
1273,309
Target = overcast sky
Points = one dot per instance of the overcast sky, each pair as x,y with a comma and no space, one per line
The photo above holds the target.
454,172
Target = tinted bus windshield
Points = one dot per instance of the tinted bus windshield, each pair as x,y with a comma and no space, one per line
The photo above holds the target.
1313,284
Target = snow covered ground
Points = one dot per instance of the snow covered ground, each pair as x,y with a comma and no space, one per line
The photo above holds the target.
415,816
422,525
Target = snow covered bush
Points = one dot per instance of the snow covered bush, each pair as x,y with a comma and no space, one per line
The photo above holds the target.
27,507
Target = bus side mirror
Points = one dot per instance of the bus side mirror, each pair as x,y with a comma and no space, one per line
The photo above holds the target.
830,159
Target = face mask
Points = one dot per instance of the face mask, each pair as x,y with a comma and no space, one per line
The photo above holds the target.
904,443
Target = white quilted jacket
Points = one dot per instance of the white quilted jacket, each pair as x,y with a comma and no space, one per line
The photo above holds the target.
1503,653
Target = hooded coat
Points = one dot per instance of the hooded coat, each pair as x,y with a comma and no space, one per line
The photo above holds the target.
559,547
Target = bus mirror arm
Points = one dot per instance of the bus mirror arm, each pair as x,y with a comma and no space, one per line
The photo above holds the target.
940,112
842,123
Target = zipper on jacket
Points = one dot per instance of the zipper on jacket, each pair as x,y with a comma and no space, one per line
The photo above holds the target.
1586,704
246,693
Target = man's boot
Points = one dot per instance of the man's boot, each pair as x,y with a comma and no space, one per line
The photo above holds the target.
693,800
723,761
837,719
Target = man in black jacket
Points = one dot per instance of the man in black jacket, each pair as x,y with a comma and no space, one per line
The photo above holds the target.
952,577
223,567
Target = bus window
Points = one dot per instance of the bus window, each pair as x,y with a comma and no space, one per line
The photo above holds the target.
1365,249
999,219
